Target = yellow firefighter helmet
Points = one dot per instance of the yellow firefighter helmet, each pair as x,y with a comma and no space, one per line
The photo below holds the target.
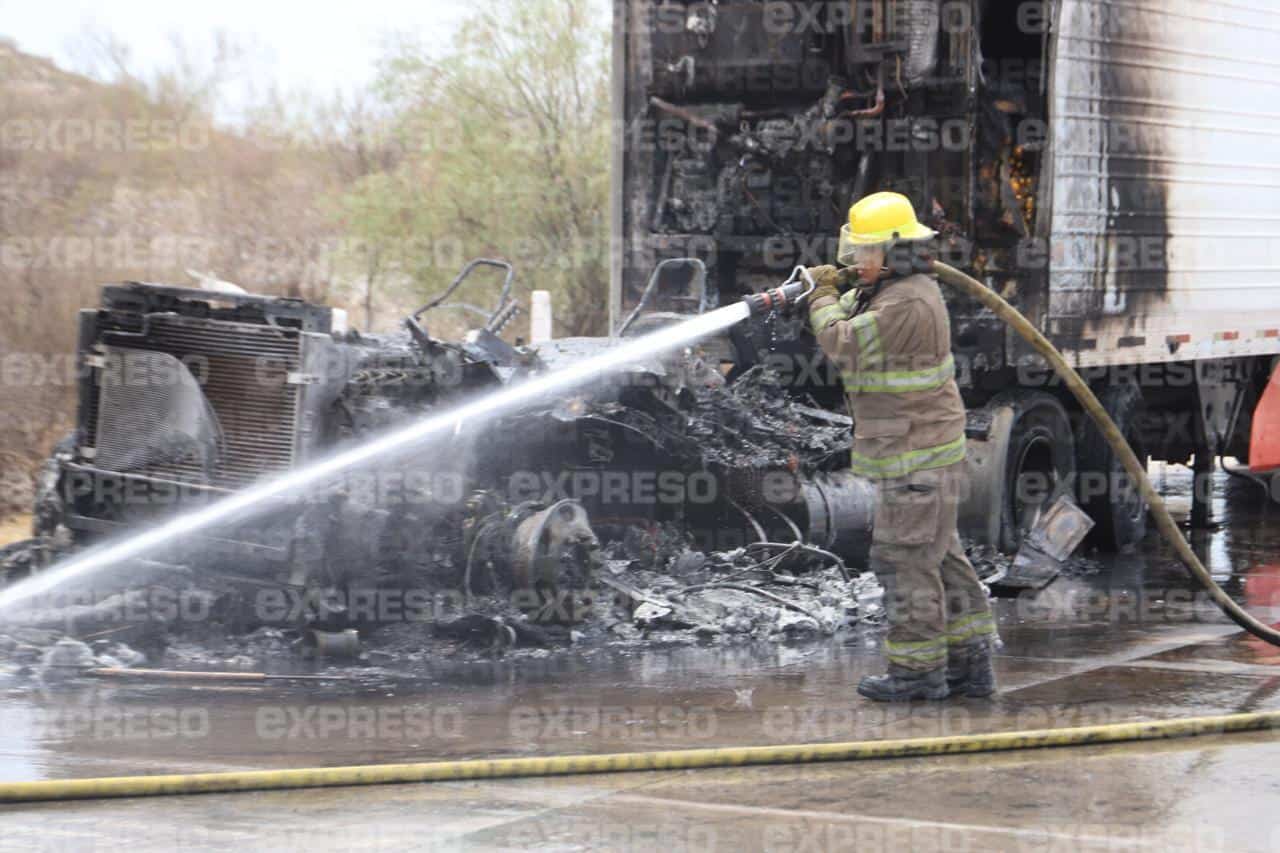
881,219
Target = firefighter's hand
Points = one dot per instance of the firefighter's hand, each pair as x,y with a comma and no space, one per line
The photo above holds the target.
827,278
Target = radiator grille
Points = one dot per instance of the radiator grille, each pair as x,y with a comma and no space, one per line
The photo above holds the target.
152,411
243,370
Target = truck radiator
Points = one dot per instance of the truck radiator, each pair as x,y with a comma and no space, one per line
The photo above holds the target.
244,371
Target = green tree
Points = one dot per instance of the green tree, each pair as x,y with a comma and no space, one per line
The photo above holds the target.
505,138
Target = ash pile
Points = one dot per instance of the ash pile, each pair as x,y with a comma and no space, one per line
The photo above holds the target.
764,590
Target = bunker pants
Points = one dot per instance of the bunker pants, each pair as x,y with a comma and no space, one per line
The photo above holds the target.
933,598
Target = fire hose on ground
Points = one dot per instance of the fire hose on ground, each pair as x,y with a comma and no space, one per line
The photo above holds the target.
628,762
688,759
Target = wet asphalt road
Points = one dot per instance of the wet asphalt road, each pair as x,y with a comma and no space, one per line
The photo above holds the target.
1130,642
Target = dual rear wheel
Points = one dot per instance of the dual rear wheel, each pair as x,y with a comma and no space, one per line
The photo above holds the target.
1046,456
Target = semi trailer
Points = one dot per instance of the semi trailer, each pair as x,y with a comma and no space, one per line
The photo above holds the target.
1103,164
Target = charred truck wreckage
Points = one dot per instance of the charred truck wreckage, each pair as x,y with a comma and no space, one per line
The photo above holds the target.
664,498
709,491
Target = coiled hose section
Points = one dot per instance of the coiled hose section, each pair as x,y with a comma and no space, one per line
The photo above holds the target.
1135,469
688,759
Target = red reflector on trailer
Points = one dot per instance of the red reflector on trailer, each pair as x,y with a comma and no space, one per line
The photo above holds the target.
1264,442
1227,336
1269,333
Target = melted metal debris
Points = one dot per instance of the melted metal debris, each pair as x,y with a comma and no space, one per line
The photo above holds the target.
754,422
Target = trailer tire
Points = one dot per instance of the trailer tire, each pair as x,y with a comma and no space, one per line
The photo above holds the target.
1104,489
1041,458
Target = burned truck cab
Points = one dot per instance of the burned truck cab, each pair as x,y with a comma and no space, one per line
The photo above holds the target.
188,395
213,393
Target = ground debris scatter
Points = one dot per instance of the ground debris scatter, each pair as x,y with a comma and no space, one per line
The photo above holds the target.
653,588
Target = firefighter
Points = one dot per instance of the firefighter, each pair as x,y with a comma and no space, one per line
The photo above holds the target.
890,337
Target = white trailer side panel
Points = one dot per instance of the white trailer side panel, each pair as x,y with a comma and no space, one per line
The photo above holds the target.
1165,167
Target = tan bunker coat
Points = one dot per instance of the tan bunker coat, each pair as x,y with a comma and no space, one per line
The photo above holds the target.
894,356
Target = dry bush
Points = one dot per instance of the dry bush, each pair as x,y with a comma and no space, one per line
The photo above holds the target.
102,183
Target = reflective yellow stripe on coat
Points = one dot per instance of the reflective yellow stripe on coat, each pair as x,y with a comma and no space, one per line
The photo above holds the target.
899,381
870,350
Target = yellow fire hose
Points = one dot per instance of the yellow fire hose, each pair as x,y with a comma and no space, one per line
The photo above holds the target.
1135,469
688,759
627,762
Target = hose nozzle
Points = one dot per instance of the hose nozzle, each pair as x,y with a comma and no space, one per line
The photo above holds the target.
785,298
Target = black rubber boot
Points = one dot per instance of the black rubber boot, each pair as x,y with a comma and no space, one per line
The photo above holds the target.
969,670
903,685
